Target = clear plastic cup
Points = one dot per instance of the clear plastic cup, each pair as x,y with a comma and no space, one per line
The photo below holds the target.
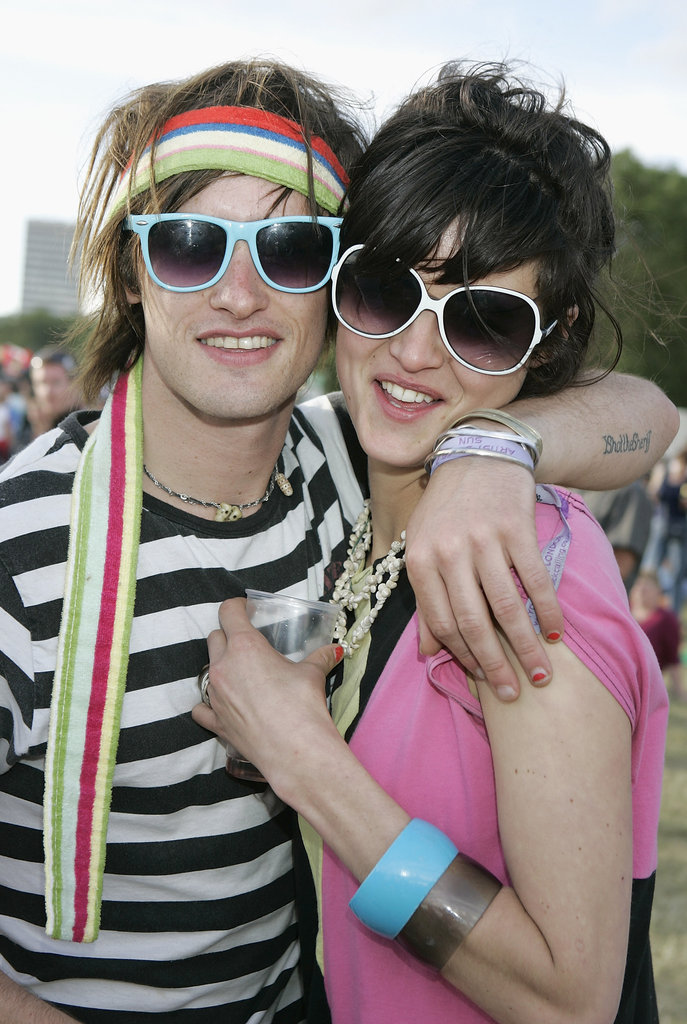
293,627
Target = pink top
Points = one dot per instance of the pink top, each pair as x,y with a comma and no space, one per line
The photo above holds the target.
422,737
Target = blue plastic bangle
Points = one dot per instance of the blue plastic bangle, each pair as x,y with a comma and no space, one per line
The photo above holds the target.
401,879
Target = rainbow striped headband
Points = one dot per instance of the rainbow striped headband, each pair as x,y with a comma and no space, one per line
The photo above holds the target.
241,139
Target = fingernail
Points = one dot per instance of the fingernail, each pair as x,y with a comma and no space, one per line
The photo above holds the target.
539,675
554,635
338,652
506,692
479,674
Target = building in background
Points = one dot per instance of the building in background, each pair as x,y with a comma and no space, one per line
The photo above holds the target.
48,282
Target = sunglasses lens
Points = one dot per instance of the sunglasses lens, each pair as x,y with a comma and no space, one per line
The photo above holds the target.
371,304
296,255
488,329
186,253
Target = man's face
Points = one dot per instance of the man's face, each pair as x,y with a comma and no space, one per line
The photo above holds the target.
191,358
53,389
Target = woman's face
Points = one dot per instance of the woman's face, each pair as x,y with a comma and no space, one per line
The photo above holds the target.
402,392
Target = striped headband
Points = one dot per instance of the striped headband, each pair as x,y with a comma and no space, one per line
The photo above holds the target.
241,139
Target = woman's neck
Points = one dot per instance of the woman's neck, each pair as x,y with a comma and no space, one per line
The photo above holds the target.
394,493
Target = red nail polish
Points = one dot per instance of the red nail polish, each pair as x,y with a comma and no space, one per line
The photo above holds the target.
538,677
338,652
553,636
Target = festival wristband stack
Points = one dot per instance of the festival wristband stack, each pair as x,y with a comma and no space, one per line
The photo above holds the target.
460,441
522,444
424,892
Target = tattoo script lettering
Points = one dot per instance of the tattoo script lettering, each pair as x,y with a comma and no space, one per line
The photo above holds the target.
626,443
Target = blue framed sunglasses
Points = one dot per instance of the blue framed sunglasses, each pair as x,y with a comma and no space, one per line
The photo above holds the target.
488,329
186,252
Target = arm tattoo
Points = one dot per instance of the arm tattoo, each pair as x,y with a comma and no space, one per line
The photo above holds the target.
626,443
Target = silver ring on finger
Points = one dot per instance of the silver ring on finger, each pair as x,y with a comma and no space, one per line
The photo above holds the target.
203,683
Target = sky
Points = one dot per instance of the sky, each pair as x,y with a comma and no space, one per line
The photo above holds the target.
624,64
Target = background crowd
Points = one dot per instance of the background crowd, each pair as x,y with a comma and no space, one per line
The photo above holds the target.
646,522
36,393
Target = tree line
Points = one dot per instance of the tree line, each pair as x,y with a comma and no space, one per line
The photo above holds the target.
650,270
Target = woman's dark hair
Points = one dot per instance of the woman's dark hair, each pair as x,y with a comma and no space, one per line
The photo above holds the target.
521,180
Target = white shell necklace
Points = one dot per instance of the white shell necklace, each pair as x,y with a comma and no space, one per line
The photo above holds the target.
375,586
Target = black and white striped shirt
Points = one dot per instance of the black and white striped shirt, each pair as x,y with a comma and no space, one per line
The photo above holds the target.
198,918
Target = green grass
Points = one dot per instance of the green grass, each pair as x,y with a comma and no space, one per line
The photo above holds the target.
669,921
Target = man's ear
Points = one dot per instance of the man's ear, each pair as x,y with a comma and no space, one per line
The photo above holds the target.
131,273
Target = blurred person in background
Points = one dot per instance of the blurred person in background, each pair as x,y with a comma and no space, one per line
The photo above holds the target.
625,517
667,549
650,608
6,423
56,393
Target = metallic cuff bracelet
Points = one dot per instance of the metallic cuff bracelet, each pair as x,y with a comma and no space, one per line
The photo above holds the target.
449,911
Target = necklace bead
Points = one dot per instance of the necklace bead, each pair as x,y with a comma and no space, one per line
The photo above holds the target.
377,585
226,511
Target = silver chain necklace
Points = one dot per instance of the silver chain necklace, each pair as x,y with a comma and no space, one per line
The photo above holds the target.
225,510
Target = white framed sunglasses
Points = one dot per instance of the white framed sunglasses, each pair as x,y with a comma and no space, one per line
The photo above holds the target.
186,252
488,329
